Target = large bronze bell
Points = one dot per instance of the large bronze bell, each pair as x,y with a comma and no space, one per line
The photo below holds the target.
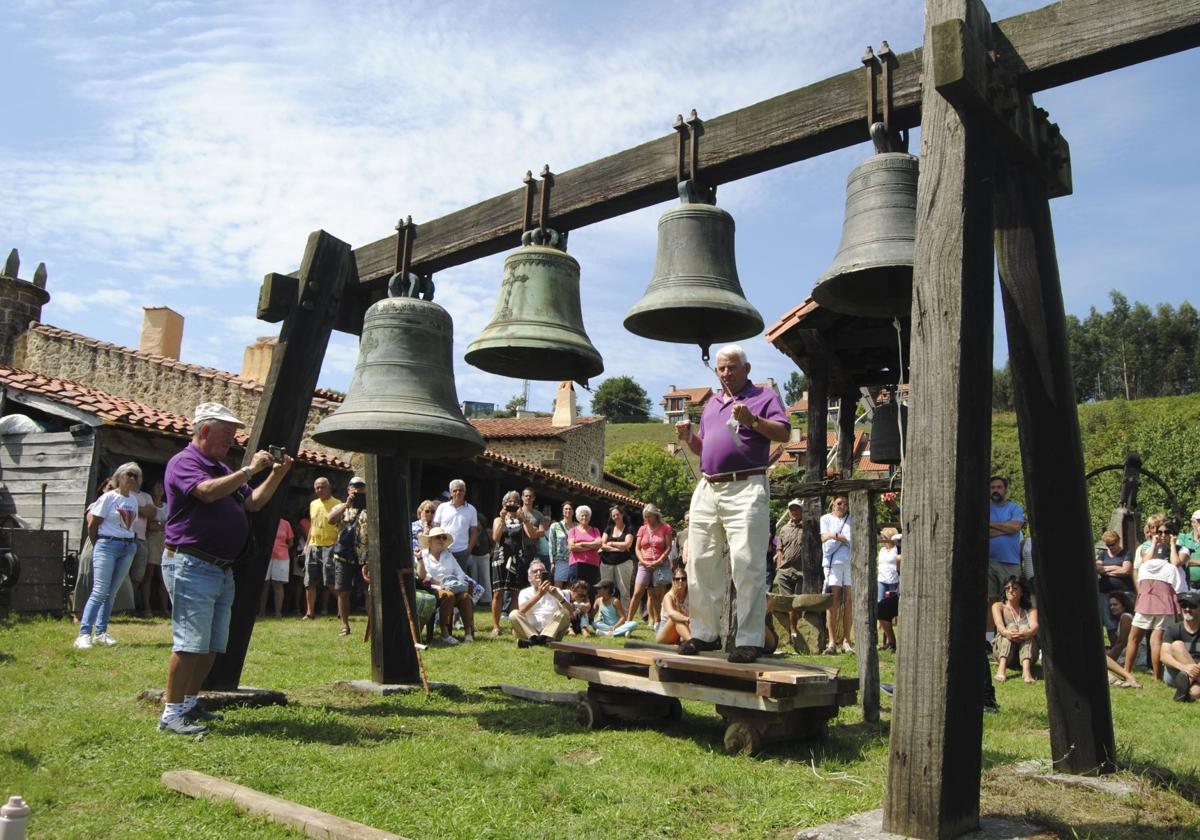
694,296
402,398
537,330
872,272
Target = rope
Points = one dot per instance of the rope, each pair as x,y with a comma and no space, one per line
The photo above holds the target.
899,375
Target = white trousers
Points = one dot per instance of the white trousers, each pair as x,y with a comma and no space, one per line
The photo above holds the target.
735,513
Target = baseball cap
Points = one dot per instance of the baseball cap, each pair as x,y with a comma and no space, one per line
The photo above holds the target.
358,479
1192,599
1196,516
214,411
795,503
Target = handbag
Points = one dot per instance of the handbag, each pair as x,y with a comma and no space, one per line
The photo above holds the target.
453,584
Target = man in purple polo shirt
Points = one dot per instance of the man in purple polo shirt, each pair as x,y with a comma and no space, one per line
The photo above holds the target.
206,530
730,505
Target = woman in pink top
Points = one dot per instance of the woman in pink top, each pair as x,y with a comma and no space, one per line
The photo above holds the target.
583,545
653,547
1155,575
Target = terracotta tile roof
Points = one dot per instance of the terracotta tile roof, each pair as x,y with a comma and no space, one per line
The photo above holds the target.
505,428
793,452
694,396
792,318
118,411
524,468
867,465
798,405
174,364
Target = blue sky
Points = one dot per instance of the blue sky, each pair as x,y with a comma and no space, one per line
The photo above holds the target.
172,153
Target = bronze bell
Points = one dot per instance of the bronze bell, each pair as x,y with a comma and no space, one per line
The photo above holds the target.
537,330
872,272
694,296
402,398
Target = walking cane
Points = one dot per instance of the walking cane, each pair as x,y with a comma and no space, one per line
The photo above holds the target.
412,629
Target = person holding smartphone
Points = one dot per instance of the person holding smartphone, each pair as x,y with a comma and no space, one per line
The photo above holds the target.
1156,574
543,611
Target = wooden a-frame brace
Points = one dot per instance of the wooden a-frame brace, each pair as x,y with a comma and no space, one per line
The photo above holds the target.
933,788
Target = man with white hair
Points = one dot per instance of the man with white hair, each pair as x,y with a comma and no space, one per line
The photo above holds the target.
207,531
730,505
459,517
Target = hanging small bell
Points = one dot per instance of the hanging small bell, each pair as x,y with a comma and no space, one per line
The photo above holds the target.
872,272
536,331
694,296
402,398
886,432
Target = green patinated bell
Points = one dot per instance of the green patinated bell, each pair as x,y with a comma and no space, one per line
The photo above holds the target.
694,296
402,399
536,331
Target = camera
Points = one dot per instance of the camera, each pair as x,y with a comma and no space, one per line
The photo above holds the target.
278,453
359,501
511,507
544,576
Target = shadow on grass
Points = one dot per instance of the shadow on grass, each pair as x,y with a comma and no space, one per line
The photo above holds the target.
23,757
1186,785
384,709
1096,830
324,731
6,657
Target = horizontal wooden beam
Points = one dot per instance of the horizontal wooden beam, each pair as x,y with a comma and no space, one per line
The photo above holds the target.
1060,43
837,487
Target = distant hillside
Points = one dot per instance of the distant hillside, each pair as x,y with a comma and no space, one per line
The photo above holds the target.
1165,430
617,435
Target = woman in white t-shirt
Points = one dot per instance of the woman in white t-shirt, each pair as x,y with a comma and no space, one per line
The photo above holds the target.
835,558
888,574
110,521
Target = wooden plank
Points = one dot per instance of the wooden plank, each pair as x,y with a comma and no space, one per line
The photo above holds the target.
310,821
327,268
567,698
1047,47
1081,725
809,490
937,721
709,662
684,691
748,673
864,578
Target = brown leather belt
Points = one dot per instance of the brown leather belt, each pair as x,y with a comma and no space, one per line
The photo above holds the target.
219,562
721,478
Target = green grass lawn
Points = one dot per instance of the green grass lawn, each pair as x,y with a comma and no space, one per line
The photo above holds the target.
617,435
82,749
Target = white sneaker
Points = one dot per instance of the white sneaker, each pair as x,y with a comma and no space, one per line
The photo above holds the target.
105,639
468,638
83,641
449,640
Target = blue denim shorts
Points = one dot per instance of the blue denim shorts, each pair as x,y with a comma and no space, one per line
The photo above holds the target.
202,598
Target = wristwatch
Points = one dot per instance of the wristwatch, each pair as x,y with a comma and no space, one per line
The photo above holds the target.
249,472
754,423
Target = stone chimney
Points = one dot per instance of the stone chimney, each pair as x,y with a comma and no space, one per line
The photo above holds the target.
21,302
162,331
256,361
797,435
565,413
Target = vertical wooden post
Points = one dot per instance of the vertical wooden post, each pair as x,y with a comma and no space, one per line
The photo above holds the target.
937,722
327,269
393,658
1081,727
863,576
815,453
847,403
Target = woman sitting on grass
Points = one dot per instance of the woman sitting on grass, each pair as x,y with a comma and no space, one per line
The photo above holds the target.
610,615
676,624
1016,630
1120,611
581,610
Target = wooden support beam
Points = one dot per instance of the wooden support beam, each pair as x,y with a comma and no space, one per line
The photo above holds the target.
937,720
814,470
326,270
1043,48
863,541
847,403
1081,725
809,490
393,657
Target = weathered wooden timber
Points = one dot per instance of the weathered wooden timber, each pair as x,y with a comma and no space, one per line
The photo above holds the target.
837,486
1043,48
863,540
393,657
937,718
327,269
1081,725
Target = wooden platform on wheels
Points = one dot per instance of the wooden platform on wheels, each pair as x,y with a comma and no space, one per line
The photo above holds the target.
762,702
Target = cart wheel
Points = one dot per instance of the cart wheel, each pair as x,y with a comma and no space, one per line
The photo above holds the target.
674,711
740,738
589,714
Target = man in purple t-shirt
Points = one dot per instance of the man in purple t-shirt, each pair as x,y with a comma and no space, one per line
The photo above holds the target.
730,505
206,529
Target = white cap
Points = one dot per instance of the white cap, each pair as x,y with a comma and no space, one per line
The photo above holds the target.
897,537
214,411
795,503
358,479
1196,516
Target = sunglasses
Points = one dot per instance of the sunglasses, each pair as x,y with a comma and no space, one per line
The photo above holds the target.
1162,531
680,579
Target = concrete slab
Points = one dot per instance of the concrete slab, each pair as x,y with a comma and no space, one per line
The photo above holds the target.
869,826
1042,769
244,696
383,690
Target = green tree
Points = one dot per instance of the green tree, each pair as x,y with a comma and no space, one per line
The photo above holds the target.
661,477
1002,388
621,400
794,388
517,403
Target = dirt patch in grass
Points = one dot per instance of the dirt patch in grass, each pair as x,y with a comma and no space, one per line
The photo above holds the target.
1153,811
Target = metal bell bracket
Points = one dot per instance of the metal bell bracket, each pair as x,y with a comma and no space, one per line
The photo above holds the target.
880,64
691,189
405,282
543,234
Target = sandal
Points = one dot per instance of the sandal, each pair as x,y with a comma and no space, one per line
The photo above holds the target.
831,651
344,631
694,646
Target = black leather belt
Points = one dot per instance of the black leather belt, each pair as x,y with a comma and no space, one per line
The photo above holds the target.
721,478
219,562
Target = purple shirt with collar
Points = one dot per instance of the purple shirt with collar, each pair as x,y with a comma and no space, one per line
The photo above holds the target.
722,451
219,528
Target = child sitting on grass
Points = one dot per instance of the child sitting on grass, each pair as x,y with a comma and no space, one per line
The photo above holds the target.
581,610
610,615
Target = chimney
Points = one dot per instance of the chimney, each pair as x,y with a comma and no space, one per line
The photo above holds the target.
565,413
797,435
162,331
21,303
256,360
